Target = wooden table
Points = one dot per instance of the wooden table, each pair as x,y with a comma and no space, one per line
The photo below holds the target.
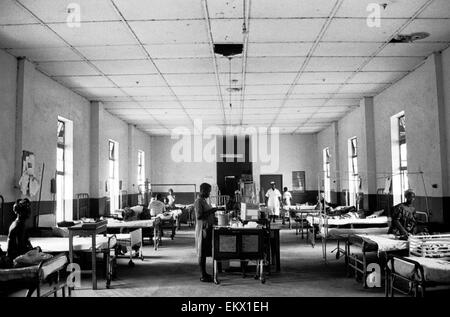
89,229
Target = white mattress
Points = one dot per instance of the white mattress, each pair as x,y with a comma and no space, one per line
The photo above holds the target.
349,221
435,270
386,242
341,233
57,244
114,223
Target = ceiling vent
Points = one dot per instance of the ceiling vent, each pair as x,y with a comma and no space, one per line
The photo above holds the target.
409,38
228,50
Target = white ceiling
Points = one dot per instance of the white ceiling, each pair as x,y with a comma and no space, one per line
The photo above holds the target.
306,63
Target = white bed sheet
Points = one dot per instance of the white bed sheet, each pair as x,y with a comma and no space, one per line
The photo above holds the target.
114,223
349,221
386,242
435,270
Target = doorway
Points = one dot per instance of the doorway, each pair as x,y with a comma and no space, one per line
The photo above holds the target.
264,183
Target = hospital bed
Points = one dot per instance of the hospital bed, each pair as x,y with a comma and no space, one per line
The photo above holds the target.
298,215
428,265
33,278
56,245
420,273
152,228
382,245
339,228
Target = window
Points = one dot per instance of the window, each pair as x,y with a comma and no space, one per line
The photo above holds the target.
141,169
113,175
353,169
60,170
403,168
327,174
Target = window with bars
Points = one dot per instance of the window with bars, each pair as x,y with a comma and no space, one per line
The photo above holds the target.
60,169
353,169
403,154
327,173
141,168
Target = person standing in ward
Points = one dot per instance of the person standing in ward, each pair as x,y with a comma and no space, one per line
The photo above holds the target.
204,215
287,197
273,201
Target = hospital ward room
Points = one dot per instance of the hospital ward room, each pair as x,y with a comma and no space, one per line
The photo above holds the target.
225,148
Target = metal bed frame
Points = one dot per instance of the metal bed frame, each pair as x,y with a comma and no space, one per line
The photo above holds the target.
191,220
417,284
2,204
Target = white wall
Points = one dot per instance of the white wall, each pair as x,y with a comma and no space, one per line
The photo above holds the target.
416,96
296,153
8,71
164,170
43,101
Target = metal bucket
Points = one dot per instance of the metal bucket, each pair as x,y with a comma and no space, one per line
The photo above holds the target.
223,220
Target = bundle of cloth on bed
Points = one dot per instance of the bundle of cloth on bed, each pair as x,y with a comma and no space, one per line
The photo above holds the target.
345,222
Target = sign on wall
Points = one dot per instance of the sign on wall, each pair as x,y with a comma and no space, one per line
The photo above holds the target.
298,181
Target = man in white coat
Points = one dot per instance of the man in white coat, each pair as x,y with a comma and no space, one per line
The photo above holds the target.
273,201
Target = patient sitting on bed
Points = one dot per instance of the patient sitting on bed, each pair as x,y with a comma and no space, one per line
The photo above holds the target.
18,242
404,217
158,208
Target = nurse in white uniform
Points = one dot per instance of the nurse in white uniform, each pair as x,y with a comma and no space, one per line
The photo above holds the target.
273,201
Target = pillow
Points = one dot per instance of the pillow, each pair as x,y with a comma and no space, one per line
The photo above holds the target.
137,209
32,257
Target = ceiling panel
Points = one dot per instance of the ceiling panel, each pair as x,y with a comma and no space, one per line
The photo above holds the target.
411,49
291,8
227,31
392,63
138,80
274,64
47,54
67,68
178,50
324,77
307,89
28,36
148,91
358,31
346,49
376,77
269,78
195,90
190,79
10,13
98,93
278,49
112,52
85,81
124,67
170,32
160,9
275,30
437,9
93,33
394,8
324,64
57,10
204,65
366,89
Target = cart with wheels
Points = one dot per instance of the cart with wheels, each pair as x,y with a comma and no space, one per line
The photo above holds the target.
244,244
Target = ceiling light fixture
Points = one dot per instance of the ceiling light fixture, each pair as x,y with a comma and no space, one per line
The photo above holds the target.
410,38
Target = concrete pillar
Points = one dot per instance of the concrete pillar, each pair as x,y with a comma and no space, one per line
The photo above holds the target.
368,134
442,124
